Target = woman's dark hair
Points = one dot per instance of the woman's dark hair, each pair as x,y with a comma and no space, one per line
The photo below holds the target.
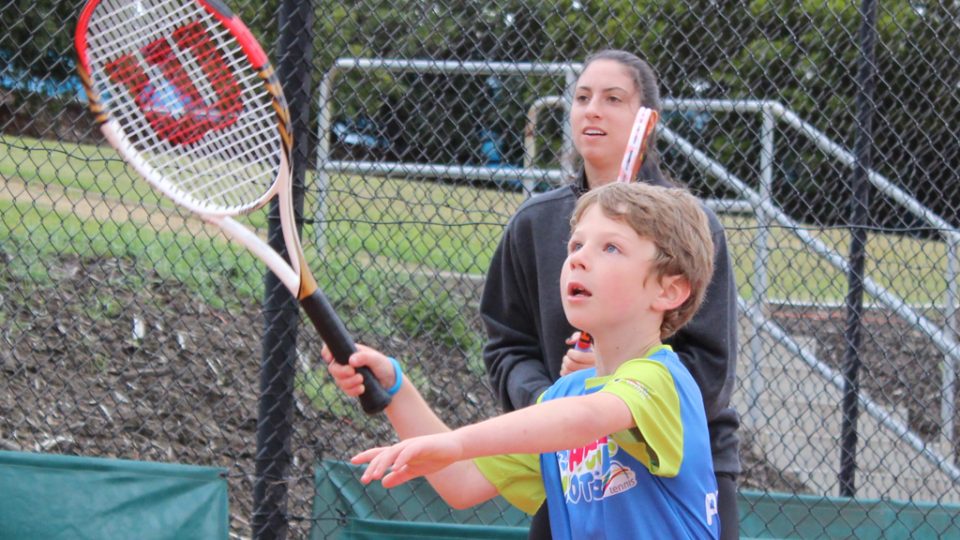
643,76
647,85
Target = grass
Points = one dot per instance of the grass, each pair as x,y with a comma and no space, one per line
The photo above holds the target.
913,269
447,227
36,236
369,225
95,169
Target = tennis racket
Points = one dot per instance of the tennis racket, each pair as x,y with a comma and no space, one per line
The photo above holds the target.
187,96
643,125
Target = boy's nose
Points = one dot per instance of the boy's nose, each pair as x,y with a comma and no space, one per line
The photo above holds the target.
578,259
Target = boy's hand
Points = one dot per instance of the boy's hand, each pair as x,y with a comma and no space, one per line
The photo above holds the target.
409,459
576,359
346,376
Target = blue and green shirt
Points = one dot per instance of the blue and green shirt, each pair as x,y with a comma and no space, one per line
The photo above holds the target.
654,480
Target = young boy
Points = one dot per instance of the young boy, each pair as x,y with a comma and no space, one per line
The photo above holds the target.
625,453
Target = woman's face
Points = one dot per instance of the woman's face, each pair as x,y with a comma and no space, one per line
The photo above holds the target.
604,104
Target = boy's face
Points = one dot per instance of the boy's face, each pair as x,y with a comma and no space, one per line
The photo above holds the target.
606,279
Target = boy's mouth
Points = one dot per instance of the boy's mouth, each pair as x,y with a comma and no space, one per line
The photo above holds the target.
594,132
577,290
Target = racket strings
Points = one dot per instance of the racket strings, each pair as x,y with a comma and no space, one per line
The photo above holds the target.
188,101
108,29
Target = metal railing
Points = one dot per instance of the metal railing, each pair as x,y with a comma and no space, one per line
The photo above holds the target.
760,201
944,338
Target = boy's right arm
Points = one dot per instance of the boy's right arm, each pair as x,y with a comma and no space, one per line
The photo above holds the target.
461,484
572,422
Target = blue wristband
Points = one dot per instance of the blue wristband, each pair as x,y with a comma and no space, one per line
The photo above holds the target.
397,374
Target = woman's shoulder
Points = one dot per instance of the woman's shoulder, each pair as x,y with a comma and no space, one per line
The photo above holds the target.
716,227
557,203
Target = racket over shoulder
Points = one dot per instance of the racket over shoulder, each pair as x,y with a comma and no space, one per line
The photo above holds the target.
643,125
186,94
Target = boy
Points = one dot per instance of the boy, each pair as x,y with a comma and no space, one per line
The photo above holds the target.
626,452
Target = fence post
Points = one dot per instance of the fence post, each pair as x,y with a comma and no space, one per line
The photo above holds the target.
859,214
280,310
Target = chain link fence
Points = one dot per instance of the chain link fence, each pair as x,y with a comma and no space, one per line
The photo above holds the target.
132,330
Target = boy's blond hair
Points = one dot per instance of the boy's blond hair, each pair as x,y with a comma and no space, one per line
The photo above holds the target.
673,220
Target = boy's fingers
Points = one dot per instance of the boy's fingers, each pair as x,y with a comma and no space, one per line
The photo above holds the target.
347,379
364,357
380,463
361,458
374,458
390,465
353,391
377,363
357,359
340,371
375,471
367,455
397,477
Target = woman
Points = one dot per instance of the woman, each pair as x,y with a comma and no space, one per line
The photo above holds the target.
528,345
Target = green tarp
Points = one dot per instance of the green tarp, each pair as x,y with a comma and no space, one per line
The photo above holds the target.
52,497
784,515
62,497
346,510
343,508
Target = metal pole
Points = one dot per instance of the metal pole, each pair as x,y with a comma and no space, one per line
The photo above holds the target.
567,152
322,177
859,214
948,399
760,281
280,309
530,136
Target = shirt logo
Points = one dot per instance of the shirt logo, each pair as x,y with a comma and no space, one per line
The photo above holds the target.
591,473
641,388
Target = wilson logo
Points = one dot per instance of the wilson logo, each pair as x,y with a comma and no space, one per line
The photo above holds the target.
176,109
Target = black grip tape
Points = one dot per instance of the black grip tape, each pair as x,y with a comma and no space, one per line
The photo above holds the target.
374,398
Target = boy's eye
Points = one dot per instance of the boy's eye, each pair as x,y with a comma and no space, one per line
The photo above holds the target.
574,246
611,248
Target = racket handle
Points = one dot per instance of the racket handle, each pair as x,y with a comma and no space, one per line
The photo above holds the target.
374,398
585,343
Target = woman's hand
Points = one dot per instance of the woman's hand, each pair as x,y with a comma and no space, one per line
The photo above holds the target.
576,359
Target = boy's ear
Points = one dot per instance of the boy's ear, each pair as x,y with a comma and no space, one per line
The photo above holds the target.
674,291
